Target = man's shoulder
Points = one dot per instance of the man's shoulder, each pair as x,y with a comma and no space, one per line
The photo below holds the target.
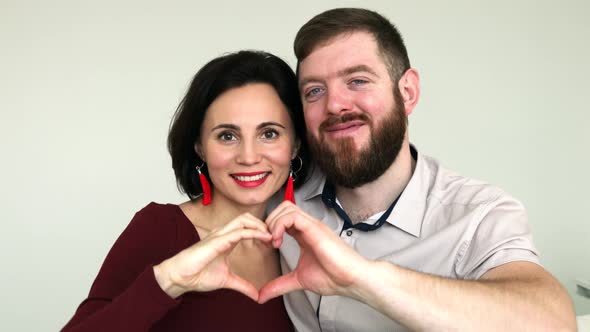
451,188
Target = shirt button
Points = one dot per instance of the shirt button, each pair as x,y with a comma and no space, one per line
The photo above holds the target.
349,232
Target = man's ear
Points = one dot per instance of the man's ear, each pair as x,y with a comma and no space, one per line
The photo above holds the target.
198,151
409,88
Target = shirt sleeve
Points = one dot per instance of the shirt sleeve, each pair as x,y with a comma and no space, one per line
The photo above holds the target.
499,234
125,295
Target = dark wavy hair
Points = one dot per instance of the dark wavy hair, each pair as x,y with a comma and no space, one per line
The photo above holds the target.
216,77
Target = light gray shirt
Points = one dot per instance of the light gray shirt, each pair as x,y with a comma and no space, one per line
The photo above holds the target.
443,224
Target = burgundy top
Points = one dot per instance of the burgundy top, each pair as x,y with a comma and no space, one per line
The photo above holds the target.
126,297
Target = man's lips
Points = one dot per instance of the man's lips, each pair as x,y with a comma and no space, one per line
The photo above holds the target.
344,125
343,129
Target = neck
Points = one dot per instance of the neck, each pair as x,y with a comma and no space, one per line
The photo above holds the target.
221,211
362,202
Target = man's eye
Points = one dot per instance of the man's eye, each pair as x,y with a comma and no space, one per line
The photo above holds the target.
313,92
358,82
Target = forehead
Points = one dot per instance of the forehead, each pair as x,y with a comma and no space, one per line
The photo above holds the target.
343,51
249,104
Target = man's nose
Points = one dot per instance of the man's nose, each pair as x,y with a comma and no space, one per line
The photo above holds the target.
338,100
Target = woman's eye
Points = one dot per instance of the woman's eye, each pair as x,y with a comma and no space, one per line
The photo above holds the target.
227,137
270,134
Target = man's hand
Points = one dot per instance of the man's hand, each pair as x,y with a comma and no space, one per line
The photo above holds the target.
327,265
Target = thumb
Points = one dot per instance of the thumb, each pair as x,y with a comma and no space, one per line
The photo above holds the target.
240,285
279,286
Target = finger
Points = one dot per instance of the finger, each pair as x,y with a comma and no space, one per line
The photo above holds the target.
285,208
279,286
245,220
278,226
240,285
254,222
222,243
204,252
229,240
292,222
279,210
278,216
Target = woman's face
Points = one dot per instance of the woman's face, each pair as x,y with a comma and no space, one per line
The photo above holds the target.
248,141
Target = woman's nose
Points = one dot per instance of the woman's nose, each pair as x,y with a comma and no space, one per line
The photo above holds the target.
248,153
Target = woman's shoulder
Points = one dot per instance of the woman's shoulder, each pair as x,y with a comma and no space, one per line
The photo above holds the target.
154,208
164,219
158,215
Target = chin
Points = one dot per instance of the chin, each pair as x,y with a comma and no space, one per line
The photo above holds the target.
251,201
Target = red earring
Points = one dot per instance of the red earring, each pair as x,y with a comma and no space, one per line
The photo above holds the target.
289,194
205,185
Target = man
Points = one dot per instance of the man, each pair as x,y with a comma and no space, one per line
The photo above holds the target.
390,240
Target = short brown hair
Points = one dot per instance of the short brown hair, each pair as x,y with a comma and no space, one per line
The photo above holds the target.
329,24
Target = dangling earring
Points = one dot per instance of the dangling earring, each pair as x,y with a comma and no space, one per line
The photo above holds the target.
289,192
205,185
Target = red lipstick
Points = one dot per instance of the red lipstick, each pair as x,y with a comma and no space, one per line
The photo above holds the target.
251,179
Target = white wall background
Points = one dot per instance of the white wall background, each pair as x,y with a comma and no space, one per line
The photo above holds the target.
87,89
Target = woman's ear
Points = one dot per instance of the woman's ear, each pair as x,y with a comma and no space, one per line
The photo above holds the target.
198,151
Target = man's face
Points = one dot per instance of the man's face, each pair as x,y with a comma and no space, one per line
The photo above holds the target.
355,125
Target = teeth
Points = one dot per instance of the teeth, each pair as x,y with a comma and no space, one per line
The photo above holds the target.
250,178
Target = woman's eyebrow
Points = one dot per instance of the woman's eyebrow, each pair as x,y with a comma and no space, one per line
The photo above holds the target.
226,126
234,127
269,123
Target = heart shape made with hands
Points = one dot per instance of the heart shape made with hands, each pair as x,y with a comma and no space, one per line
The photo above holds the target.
326,265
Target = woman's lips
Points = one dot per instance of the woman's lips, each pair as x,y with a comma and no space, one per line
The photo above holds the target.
250,180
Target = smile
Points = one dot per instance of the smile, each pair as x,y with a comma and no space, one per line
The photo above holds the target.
343,129
250,180
344,126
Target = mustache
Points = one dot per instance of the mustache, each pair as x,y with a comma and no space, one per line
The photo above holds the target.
334,120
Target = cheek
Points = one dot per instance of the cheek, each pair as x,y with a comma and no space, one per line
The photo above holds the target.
218,161
313,119
280,156
376,107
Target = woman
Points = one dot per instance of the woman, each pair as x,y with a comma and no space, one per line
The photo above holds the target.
198,266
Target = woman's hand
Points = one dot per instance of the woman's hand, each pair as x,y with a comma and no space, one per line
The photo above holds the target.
204,266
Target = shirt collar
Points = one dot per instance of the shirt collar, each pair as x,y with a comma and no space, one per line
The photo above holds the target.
314,185
410,208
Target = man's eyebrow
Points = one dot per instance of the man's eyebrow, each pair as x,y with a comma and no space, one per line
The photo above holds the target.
343,72
356,69
307,80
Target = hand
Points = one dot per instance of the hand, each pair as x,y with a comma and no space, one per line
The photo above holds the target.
204,266
327,265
